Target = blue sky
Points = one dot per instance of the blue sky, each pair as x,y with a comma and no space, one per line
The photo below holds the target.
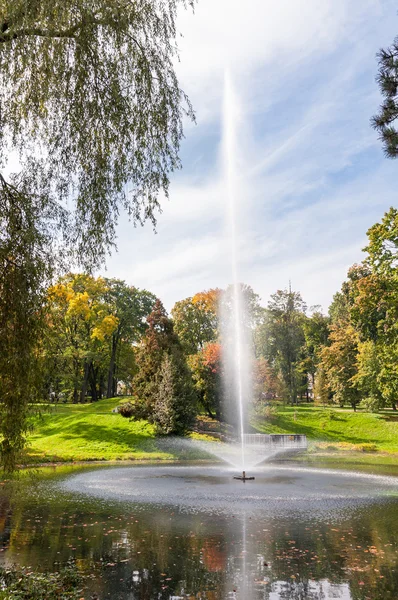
313,174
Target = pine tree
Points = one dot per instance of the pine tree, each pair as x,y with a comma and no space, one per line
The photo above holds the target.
387,78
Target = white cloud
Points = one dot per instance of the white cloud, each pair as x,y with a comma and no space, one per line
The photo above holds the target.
314,175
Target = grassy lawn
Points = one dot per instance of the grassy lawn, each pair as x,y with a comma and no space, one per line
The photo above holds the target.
331,429
76,432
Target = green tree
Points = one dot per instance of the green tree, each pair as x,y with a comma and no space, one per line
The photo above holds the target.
286,314
89,95
206,368
175,398
387,78
25,271
159,341
131,307
316,335
339,363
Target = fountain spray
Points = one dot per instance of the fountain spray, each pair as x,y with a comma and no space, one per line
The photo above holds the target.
236,319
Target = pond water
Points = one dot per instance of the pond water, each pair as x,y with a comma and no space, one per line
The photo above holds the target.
176,532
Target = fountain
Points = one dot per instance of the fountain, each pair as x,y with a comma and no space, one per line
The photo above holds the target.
236,339
237,356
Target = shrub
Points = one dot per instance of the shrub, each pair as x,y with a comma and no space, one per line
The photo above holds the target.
127,410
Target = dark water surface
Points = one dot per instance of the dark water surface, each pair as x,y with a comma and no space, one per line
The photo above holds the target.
178,532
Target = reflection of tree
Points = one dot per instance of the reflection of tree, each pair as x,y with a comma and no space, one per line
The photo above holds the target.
214,556
5,521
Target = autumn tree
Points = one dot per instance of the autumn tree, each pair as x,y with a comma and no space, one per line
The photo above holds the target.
91,105
81,325
196,320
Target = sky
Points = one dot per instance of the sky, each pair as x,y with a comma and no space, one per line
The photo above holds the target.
312,174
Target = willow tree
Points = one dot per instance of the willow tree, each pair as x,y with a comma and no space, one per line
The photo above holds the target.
91,107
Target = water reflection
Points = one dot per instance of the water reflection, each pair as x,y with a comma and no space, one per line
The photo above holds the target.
132,551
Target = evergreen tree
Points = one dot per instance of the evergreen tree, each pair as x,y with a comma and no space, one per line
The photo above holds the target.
175,398
385,121
160,342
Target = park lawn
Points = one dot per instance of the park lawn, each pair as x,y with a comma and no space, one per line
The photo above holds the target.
74,432
330,429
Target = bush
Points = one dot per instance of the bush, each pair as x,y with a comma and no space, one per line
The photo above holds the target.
127,410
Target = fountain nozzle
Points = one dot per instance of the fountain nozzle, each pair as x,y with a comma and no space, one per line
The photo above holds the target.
243,477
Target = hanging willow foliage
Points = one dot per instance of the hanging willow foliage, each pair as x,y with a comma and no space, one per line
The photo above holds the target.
26,264
90,102
89,89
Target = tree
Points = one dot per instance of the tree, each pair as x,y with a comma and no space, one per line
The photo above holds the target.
339,362
316,334
130,306
25,271
158,342
387,78
206,367
175,399
89,94
267,384
81,325
286,313
382,248
322,393
252,311
90,103
196,320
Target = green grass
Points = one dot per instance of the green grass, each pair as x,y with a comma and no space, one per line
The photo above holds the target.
332,429
91,432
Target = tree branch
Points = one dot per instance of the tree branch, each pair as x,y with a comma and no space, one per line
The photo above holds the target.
7,35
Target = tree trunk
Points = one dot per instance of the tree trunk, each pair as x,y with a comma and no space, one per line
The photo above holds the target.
394,406
75,395
83,390
93,383
111,371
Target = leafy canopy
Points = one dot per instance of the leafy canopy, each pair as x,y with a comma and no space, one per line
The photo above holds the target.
90,100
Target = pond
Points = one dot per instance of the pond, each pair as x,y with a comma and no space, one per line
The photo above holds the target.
176,531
